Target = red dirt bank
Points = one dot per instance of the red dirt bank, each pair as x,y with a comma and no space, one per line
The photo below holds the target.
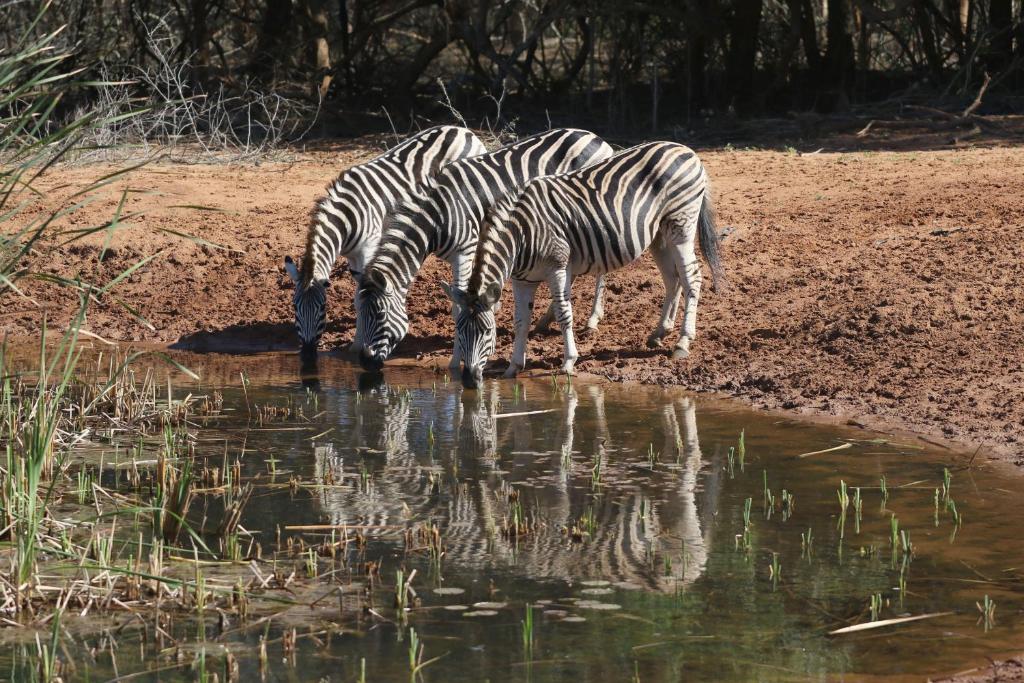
883,288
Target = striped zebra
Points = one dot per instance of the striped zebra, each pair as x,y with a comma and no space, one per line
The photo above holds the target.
670,515
594,220
445,220
347,221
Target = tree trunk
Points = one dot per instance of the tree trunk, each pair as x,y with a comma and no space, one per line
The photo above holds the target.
839,60
319,29
802,12
743,29
1000,47
278,23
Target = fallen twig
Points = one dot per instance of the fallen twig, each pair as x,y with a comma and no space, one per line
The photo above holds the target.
886,622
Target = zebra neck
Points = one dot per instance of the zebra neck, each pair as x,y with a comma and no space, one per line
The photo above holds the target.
342,224
400,258
495,263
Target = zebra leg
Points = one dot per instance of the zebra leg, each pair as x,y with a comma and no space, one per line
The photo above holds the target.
689,270
523,292
665,261
461,269
543,325
561,293
597,313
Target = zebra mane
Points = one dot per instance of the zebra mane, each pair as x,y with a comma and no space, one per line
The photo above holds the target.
306,272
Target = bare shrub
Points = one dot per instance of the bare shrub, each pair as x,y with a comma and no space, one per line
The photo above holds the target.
177,117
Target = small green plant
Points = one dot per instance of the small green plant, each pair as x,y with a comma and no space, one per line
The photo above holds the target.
876,606
844,497
787,505
415,651
744,541
775,570
595,474
858,507
527,631
988,612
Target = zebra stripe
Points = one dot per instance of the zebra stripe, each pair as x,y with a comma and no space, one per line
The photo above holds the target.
627,531
348,220
444,220
594,220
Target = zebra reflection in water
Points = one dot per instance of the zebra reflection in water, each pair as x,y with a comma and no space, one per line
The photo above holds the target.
648,529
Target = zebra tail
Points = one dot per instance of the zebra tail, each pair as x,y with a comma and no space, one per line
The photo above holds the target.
709,244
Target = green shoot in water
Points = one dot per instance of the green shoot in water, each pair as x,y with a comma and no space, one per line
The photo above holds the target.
527,631
415,651
775,570
988,612
787,505
743,541
876,606
741,449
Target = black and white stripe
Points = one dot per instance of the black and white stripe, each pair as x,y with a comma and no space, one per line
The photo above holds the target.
444,220
594,220
348,220
670,517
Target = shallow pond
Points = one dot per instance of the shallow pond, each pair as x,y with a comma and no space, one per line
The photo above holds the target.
651,542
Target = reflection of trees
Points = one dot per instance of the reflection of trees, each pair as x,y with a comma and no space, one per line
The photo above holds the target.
460,481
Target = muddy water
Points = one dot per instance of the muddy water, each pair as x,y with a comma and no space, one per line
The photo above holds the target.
633,548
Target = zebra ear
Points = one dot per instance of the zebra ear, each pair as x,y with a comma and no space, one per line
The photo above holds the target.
492,294
455,294
290,268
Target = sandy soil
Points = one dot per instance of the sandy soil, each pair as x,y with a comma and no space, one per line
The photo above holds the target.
882,288
1009,671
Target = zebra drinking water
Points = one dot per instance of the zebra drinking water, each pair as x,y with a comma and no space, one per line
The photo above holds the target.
445,221
347,221
594,220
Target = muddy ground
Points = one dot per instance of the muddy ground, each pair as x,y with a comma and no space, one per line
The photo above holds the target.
882,288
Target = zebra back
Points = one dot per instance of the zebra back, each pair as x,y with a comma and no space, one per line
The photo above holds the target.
348,219
444,217
603,216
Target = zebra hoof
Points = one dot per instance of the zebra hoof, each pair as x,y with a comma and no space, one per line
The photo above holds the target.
512,371
592,324
654,341
682,349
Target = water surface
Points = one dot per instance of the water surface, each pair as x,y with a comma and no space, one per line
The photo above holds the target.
631,545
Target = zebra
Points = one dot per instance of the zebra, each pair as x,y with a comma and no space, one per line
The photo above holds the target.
444,220
347,221
594,220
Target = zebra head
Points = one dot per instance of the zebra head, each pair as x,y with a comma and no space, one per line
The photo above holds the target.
310,308
382,317
474,330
